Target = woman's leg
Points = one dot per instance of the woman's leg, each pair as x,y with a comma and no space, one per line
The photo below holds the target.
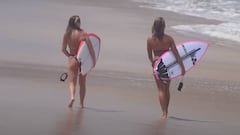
167,84
82,84
164,96
72,71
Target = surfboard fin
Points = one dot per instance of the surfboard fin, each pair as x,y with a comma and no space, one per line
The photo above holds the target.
162,70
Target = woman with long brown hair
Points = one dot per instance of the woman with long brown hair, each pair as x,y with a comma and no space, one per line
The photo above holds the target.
157,44
71,39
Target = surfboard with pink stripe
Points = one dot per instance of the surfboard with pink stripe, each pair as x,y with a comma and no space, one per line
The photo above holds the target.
83,55
191,52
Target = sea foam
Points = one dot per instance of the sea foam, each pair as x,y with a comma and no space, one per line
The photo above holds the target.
226,11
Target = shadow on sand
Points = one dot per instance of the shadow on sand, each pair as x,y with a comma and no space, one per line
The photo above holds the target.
190,120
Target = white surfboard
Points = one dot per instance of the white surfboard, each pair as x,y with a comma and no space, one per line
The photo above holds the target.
191,52
83,55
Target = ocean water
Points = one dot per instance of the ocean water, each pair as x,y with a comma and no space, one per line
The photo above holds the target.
225,11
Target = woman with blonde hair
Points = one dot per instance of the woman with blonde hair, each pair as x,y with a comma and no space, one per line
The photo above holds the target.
157,44
71,39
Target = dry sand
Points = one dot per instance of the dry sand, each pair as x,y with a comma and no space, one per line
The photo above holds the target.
121,93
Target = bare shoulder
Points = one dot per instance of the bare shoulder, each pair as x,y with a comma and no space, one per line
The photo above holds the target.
169,38
149,40
81,35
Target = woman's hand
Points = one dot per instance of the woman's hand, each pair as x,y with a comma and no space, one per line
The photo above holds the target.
155,59
153,64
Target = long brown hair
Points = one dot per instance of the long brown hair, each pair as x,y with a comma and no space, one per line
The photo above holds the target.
73,24
158,28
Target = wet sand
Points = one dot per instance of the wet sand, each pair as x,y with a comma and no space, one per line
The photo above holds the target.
121,93
116,103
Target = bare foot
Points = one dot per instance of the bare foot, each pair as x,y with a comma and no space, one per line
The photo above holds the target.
164,116
71,103
81,106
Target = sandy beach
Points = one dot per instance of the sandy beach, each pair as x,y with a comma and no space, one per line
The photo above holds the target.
121,93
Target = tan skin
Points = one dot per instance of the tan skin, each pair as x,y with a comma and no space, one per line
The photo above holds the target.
155,48
73,67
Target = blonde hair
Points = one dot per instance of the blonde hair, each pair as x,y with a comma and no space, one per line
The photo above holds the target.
73,24
158,28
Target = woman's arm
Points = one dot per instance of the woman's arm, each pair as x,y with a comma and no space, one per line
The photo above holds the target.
149,51
64,46
177,56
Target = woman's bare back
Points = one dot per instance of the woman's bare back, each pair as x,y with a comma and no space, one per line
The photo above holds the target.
74,40
160,46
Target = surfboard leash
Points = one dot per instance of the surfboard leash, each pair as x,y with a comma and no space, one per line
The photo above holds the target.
180,85
63,77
